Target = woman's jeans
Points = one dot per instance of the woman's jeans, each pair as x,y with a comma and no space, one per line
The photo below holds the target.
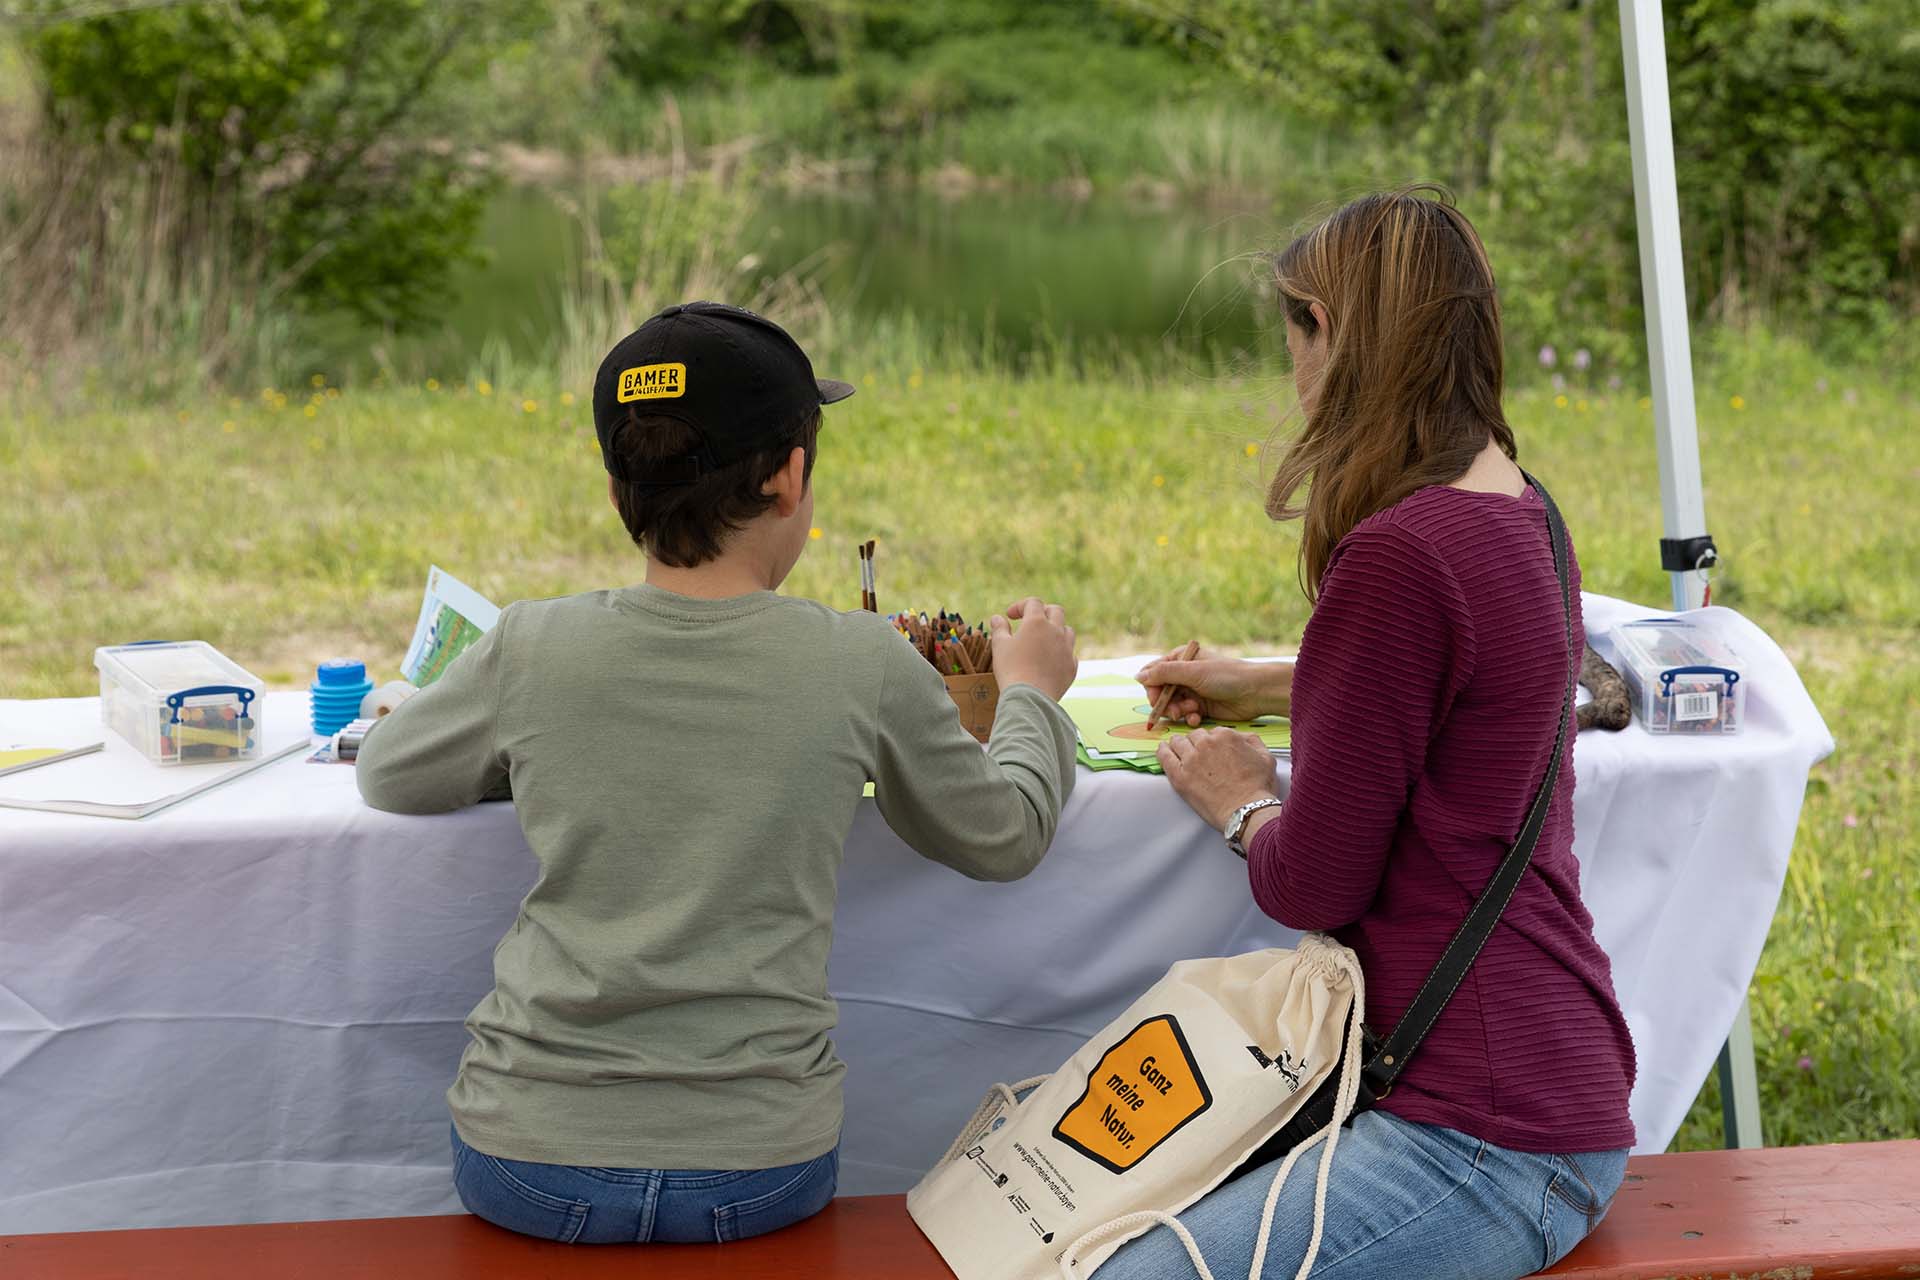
577,1205
1404,1199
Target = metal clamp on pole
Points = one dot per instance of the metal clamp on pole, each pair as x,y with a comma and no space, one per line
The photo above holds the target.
1688,555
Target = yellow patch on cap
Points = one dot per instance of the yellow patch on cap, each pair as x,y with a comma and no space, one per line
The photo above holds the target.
652,382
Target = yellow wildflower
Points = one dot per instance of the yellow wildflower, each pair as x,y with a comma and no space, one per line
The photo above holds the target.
1253,450
1559,402
318,379
816,534
1738,402
312,411
1580,406
484,387
1160,541
530,406
228,426
566,399
433,384
1159,482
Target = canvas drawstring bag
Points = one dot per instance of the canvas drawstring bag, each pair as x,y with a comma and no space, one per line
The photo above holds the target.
1149,1115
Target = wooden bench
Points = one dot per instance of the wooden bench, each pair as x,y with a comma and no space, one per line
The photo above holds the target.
1795,1213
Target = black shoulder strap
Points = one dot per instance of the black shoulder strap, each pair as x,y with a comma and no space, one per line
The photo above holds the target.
1393,1052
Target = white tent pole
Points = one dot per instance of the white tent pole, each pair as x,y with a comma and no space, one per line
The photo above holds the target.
1663,288
1685,546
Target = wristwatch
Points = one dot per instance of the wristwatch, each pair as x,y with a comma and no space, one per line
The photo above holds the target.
1238,822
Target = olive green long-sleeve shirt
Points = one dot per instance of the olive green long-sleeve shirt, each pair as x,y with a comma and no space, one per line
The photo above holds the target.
686,772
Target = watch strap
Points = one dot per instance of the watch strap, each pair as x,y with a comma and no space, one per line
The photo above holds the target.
1237,825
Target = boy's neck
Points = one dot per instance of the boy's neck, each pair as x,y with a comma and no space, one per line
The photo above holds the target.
721,579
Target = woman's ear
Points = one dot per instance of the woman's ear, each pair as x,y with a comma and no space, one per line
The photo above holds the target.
1321,325
788,485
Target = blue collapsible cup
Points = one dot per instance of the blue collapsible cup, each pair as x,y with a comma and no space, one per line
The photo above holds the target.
337,689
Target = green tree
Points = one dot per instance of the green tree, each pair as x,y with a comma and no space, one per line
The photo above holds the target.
1796,127
329,123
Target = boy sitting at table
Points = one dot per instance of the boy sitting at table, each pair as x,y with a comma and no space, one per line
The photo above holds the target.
686,757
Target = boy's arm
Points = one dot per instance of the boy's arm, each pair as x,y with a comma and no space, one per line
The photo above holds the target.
435,751
987,814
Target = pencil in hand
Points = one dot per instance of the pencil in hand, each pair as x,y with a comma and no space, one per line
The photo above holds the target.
1154,717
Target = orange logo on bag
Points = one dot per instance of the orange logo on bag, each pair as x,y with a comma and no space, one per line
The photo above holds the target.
652,382
1137,1096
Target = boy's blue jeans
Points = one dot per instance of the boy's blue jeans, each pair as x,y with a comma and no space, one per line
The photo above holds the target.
578,1205
1404,1199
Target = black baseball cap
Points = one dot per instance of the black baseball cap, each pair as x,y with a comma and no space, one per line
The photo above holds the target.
738,379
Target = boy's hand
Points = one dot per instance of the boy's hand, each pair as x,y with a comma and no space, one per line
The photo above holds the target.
1040,653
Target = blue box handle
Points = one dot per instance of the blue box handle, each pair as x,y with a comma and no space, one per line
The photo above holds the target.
1731,676
175,700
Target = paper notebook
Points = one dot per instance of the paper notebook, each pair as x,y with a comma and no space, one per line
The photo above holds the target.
115,780
17,757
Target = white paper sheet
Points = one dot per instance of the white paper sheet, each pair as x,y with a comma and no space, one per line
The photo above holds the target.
117,781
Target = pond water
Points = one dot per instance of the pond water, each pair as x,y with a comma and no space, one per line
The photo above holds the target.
1020,274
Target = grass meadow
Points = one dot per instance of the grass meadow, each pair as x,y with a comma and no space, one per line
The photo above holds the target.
295,523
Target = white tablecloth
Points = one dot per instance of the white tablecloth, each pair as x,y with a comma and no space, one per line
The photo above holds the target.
247,1008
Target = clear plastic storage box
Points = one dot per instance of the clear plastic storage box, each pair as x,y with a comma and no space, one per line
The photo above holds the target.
1683,679
180,702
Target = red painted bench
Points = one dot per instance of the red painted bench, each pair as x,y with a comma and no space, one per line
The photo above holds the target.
1796,1213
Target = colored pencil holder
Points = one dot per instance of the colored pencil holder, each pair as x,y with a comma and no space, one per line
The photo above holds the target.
977,697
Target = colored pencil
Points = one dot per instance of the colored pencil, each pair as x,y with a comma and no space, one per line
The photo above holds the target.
1166,693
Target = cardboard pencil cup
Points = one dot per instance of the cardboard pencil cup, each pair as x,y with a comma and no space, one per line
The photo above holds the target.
977,697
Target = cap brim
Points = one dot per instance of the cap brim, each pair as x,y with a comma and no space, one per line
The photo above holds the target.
832,389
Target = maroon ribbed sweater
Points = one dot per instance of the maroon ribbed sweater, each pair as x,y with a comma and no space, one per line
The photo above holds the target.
1424,703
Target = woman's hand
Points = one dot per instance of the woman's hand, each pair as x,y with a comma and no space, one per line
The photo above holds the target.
1218,770
1212,688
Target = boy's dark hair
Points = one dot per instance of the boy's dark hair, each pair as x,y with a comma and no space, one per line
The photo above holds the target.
686,525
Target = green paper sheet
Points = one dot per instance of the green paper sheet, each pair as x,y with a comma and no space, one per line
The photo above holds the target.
1118,724
1101,764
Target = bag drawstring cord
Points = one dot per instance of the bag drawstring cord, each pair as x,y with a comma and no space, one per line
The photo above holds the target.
1346,1094
999,1098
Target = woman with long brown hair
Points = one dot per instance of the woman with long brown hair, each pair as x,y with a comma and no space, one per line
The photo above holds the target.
1424,700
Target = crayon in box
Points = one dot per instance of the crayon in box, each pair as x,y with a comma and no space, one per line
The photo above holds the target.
1682,677
180,702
